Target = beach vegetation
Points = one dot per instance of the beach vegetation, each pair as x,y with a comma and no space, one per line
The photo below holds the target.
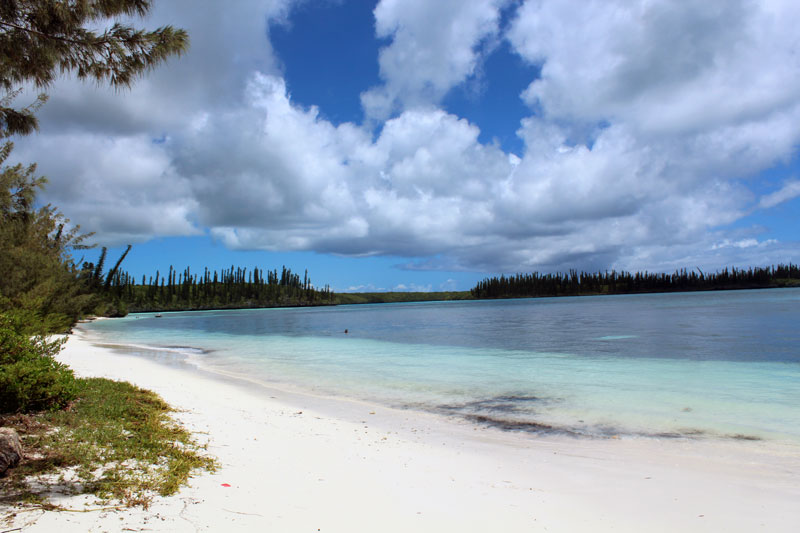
114,440
40,280
30,377
94,436
40,40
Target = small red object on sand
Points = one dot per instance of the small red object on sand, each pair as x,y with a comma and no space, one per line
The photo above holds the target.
226,485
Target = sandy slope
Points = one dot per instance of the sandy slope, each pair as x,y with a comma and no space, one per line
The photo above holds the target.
302,463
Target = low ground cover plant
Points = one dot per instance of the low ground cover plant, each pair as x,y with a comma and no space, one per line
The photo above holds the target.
114,440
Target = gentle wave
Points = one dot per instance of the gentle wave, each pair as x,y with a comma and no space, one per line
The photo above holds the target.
177,350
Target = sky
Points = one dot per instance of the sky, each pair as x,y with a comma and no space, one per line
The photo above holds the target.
418,145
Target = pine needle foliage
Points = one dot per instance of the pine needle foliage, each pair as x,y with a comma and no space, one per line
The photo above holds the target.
38,275
41,39
30,377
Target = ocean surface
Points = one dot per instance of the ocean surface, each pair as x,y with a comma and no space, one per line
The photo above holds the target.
722,365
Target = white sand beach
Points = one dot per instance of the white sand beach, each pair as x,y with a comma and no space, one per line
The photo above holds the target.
291,462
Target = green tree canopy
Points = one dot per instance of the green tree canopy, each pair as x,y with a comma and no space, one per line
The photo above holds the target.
40,39
40,284
39,278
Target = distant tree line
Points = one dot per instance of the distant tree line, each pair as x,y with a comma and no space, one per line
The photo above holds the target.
574,283
236,287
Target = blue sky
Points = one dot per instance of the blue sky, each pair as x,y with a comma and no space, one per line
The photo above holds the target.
416,145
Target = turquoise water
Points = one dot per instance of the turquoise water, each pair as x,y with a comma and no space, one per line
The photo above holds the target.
700,365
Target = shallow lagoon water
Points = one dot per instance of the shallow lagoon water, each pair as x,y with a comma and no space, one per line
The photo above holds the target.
699,365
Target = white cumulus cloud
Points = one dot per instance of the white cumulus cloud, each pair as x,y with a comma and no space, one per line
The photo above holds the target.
648,128
434,47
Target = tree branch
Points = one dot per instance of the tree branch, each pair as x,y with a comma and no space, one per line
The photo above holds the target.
46,36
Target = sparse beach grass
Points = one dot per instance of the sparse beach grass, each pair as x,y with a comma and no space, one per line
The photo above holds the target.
116,442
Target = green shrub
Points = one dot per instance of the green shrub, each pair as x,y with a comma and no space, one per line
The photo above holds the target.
30,378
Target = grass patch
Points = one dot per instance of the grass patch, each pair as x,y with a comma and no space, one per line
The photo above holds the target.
115,441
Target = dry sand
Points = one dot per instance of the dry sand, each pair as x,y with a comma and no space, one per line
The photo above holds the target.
302,463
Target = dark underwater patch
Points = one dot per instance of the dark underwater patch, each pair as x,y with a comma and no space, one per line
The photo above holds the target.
739,436
517,425
509,403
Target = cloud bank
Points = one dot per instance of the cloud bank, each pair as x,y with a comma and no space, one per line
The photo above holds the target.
649,127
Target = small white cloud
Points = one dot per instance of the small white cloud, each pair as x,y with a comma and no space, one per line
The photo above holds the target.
412,287
789,191
743,243
449,285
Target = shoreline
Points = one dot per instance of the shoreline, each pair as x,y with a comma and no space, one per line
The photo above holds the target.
544,402
295,462
392,297
320,400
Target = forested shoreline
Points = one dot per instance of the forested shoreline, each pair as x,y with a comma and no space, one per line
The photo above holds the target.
233,288
243,288
574,283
